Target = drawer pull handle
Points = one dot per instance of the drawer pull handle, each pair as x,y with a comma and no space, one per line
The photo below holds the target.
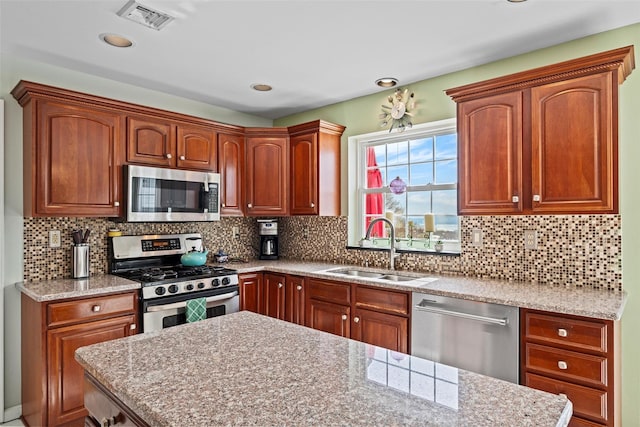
562,365
96,308
562,332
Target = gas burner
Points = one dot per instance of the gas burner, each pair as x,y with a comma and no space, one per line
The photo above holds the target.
157,274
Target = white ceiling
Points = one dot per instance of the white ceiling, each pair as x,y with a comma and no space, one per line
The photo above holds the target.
313,53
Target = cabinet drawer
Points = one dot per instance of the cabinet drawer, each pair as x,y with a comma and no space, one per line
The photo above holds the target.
62,313
381,299
566,364
581,334
587,402
339,293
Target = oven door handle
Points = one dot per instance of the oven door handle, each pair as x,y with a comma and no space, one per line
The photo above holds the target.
184,303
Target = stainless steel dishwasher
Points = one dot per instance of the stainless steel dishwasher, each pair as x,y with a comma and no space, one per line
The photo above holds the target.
475,336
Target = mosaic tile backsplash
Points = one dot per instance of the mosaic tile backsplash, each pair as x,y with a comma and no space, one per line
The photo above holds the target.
573,250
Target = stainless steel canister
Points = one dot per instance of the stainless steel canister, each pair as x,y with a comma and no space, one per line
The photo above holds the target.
80,261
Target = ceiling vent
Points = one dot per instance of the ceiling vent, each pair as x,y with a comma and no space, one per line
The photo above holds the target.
145,15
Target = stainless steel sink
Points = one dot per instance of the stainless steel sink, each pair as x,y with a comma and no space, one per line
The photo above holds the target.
397,278
360,273
374,275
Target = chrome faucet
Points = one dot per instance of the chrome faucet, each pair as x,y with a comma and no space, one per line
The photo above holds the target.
392,249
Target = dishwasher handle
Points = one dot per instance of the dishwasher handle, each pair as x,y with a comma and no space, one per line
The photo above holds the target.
423,306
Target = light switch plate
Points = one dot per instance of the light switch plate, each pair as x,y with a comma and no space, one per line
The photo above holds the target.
235,232
530,239
476,237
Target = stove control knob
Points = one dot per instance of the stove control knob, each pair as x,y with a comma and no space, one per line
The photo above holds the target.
173,289
160,291
190,287
215,282
225,281
200,285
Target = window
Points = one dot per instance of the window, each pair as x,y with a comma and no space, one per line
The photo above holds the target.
425,159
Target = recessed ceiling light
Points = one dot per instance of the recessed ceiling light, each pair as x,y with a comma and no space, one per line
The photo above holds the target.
387,82
116,40
261,87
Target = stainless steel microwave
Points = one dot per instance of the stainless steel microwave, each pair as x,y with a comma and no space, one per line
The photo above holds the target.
166,195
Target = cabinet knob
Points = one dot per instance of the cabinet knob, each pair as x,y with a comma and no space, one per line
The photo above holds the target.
249,205
108,422
96,308
182,157
280,285
562,332
356,319
116,204
299,287
168,156
344,317
536,197
562,365
515,199
313,205
224,206
132,326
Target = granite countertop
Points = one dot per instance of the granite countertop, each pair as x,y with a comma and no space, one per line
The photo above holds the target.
249,369
51,290
558,298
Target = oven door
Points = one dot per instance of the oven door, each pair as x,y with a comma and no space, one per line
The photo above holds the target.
170,311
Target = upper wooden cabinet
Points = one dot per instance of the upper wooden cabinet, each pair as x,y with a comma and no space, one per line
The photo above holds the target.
231,169
160,142
71,157
542,141
267,179
315,168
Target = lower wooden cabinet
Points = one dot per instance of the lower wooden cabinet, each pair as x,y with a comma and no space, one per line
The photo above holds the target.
52,391
329,317
251,292
294,299
274,293
106,409
575,356
381,329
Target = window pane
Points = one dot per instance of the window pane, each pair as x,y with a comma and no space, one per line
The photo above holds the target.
418,202
447,171
418,226
447,146
445,202
398,171
421,150
447,227
380,155
398,153
375,178
396,203
421,173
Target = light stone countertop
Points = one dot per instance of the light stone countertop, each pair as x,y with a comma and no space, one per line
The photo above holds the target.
249,369
558,298
51,290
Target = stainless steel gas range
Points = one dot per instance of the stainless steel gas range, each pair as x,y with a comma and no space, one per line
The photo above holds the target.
167,285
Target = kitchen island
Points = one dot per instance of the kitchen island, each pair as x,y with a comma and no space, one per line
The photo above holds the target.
248,369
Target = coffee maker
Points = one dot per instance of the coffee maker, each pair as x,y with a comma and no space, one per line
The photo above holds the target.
268,231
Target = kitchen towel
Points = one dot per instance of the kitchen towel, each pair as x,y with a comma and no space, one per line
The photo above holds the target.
196,309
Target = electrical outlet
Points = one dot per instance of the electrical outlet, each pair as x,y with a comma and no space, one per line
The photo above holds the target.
476,237
235,232
305,233
54,238
530,239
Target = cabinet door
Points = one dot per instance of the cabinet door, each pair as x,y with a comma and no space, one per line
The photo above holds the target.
490,155
231,168
329,317
251,292
66,395
150,141
77,165
574,159
304,174
274,293
196,148
266,176
384,330
294,300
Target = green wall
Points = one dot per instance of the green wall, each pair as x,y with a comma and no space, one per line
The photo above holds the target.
360,116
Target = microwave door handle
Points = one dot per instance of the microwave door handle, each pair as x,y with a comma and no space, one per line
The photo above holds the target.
182,304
